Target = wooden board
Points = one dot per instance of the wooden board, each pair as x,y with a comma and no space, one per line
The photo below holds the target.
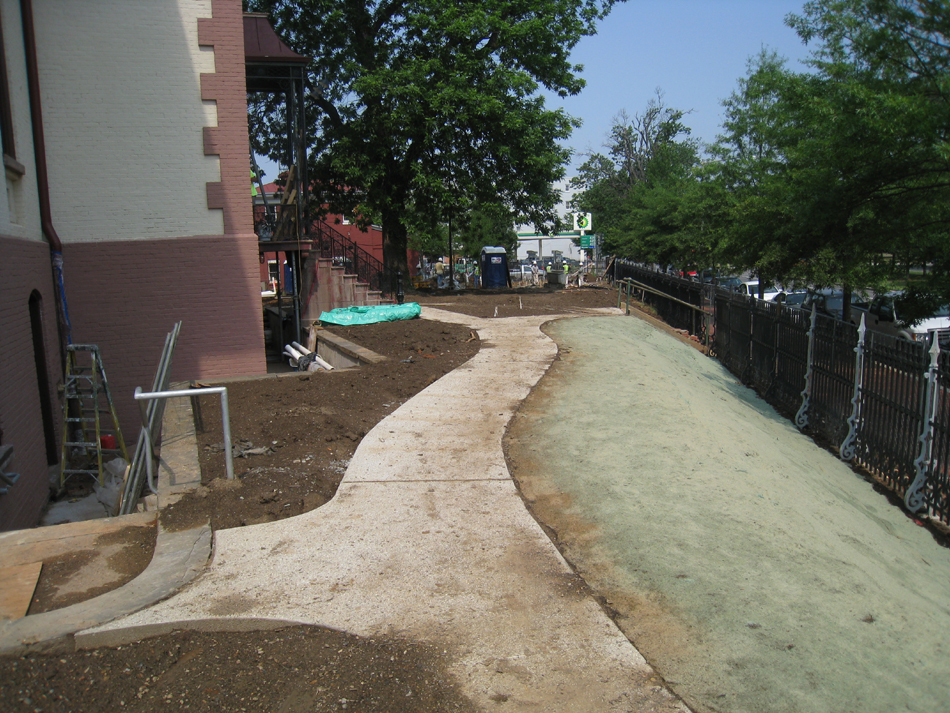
25,546
17,585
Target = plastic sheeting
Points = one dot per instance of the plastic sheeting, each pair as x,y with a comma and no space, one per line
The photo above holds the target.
347,316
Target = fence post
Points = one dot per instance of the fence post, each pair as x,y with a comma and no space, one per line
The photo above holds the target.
914,497
846,451
801,418
629,287
777,326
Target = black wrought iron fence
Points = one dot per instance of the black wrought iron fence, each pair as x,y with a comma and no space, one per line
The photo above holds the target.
676,312
791,361
832,377
883,402
732,339
892,409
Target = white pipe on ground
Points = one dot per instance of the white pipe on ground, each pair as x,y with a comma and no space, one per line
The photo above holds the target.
321,362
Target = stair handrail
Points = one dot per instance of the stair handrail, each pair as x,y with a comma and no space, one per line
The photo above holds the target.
330,243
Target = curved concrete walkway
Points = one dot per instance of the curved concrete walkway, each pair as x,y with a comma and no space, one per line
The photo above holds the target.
178,558
428,538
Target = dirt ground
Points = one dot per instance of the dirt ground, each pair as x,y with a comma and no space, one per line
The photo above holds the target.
309,426
115,559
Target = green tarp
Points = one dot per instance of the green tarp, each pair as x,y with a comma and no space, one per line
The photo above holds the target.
348,316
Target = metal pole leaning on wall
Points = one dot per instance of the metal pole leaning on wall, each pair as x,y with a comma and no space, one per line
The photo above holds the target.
225,418
846,451
914,497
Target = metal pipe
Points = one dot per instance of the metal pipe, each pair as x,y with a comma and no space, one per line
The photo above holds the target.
42,176
225,414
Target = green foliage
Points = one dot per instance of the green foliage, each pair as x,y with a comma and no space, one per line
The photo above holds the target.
884,73
419,106
642,191
486,225
832,169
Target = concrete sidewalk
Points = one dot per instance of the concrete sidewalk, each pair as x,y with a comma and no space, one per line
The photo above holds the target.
427,538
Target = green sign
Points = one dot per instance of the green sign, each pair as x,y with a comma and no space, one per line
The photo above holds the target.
588,241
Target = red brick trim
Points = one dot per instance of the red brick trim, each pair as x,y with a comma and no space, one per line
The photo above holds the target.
228,88
126,296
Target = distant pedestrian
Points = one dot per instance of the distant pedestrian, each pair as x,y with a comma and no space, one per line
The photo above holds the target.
534,274
440,273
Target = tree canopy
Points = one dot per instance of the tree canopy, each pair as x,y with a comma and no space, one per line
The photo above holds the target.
418,107
640,189
471,229
819,177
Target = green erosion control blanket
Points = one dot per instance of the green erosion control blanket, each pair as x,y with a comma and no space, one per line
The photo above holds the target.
348,316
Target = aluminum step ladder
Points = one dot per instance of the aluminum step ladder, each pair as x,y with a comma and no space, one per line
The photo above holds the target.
90,425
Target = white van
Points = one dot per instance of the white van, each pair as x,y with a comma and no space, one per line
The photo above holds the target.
883,316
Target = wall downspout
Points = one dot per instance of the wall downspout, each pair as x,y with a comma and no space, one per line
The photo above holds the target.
42,177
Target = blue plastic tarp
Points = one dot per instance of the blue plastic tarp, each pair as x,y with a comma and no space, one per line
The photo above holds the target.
348,316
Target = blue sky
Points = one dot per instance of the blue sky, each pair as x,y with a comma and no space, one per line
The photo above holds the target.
695,51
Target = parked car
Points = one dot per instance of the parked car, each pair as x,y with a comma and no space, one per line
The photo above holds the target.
728,282
519,272
751,288
830,302
883,315
790,299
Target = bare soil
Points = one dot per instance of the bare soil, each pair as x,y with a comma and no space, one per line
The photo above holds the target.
309,425
115,559
292,670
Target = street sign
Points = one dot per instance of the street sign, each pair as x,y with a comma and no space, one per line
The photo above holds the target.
588,241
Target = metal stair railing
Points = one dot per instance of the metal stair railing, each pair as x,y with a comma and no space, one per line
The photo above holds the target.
329,243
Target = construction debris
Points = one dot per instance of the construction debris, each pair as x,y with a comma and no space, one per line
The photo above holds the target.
304,359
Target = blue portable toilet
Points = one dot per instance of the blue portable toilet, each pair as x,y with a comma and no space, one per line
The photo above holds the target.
494,267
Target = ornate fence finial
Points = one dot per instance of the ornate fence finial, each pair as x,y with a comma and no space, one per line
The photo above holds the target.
801,418
914,497
846,451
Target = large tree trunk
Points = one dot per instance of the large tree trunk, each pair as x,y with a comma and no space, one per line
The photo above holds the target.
395,244
846,303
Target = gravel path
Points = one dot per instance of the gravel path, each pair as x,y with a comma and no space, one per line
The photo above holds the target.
753,569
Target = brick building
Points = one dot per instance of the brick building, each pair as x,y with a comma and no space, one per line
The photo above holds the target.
125,149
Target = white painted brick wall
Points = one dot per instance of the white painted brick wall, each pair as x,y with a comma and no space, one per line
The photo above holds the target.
19,205
124,116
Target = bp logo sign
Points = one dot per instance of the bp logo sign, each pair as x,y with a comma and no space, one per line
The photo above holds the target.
582,221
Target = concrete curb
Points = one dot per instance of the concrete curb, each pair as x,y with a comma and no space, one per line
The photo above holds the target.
178,558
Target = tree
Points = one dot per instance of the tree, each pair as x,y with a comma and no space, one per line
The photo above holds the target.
890,61
418,105
833,169
471,230
639,189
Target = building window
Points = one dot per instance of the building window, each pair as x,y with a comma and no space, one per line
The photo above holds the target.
6,115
